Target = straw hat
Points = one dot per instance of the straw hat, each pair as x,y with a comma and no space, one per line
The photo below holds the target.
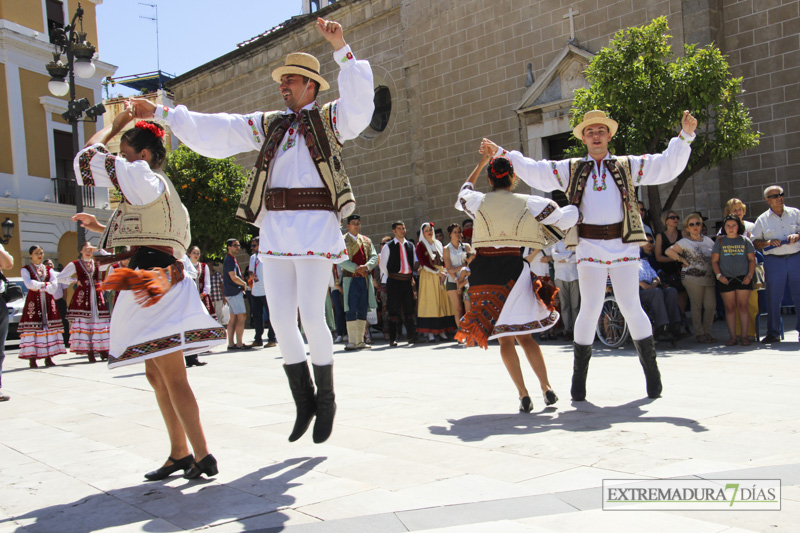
595,117
304,65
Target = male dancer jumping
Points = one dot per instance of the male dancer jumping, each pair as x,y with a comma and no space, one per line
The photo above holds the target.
297,194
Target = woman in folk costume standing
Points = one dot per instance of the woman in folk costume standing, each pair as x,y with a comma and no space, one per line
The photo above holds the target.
434,314
507,304
297,195
88,313
41,331
158,315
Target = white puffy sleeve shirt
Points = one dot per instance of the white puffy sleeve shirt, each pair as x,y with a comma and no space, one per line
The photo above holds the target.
602,206
96,167
286,233
469,201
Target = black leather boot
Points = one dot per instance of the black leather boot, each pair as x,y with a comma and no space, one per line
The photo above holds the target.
647,357
303,394
580,369
326,402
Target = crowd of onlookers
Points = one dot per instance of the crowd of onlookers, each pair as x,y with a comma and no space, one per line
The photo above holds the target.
689,277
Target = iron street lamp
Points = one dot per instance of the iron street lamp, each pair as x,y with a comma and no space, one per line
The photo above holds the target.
72,42
8,231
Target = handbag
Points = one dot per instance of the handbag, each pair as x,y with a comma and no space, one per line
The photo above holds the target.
759,278
225,314
12,292
372,317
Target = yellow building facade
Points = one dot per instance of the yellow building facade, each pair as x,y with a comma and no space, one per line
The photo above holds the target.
36,178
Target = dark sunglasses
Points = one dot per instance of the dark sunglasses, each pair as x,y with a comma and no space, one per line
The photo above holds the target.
695,224
673,217
773,196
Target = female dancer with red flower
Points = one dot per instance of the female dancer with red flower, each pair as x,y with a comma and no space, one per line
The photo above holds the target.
507,304
41,331
158,316
88,312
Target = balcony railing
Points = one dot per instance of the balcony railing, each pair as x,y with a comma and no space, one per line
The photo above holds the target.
66,189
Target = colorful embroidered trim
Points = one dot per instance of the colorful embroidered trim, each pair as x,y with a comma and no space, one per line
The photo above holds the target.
536,325
327,255
148,348
347,57
641,169
601,262
253,126
464,207
680,135
111,170
487,302
546,212
84,165
198,335
164,111
555,171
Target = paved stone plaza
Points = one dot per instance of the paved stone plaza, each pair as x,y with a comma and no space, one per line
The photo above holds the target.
426,439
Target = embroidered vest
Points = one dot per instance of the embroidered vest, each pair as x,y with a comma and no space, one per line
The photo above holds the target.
81,304
620,170
354,247
393,264
162,222
503,219
328,164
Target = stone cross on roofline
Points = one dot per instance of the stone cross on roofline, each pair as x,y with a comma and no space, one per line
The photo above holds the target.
571,16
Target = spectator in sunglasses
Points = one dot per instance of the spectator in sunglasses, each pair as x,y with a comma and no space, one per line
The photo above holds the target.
694,253
776,234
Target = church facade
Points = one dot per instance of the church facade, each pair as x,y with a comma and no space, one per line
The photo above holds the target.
450,72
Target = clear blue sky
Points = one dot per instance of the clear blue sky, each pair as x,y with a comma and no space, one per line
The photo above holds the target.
190,32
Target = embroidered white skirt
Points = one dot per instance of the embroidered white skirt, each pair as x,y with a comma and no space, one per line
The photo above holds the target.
87,335
523,312
179,321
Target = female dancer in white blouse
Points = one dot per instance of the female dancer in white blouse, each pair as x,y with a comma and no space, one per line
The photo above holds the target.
88,311
505,304
177,324
41,332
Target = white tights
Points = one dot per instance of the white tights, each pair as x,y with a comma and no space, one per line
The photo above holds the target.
292,284
625,280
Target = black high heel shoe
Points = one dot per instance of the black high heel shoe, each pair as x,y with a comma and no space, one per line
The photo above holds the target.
207,465
165,471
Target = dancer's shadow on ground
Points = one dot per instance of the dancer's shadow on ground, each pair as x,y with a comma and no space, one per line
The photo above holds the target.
586,417
162,506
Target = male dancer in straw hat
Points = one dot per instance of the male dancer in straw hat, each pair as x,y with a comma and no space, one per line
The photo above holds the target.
297,194
610,232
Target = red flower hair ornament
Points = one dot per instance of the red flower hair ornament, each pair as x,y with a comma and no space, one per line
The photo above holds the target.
152,128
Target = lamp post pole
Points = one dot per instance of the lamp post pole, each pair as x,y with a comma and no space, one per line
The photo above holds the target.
71,42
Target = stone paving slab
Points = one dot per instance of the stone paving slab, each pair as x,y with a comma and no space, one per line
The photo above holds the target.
427,438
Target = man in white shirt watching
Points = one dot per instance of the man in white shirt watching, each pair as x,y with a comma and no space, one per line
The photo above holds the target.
776,234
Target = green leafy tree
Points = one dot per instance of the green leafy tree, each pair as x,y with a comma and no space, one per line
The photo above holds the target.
639,82
210,189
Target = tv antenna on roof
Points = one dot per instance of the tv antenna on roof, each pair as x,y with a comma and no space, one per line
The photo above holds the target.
154,19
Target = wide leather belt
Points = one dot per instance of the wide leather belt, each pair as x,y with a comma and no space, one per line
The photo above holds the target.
608,232
399,277
488,251
312,199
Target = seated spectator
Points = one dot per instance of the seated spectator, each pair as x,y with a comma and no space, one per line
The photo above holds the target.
694,251
647,253
669,269
733,259
662,302
645,214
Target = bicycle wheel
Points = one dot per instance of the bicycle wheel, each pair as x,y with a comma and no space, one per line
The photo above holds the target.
612,330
